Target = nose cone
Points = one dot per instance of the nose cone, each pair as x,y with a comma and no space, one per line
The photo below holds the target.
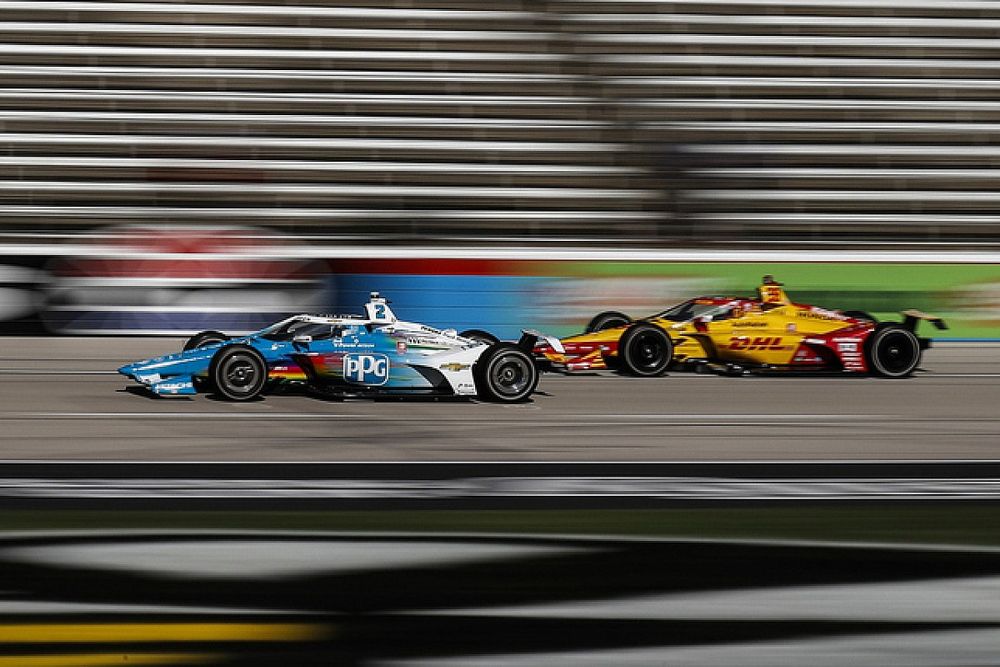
138,367
190,362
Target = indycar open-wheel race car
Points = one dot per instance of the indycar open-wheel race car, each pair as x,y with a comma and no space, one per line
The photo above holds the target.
737,335
366,354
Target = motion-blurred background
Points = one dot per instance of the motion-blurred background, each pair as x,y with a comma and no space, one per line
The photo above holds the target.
173,166
637,121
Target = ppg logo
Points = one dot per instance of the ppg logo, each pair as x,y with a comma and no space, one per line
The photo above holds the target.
366,368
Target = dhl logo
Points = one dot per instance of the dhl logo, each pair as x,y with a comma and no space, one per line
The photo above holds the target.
756,343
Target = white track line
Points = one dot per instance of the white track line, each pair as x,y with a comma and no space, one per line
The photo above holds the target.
437,419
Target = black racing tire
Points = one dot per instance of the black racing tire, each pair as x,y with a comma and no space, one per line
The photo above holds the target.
480,335
892,351
205,338
861,315
609,319
238,373
645,350
505,373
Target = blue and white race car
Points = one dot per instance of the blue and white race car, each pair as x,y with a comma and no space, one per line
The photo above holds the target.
368,354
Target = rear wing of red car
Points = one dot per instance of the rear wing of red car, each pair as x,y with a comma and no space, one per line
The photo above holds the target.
913,317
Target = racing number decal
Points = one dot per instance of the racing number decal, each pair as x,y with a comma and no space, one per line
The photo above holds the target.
771,294
379,312
757,343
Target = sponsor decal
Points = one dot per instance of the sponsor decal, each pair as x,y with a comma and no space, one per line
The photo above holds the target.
370,369
817,314
756,343
421,340
401,347
174,386
847,347
454,367
791,327
740,325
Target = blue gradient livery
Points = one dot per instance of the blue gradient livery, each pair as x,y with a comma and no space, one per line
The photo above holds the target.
345,354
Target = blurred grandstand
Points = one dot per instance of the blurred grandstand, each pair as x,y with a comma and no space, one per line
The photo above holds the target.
636,121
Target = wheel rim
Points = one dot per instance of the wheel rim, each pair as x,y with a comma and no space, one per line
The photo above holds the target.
648,350
895,353
511,375
240,374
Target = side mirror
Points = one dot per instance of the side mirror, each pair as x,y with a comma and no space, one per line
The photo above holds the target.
701,323
302,339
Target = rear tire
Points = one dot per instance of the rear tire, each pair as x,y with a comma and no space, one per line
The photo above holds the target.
480,335
645,350
892,351
610,319
205,338
238,373
505,374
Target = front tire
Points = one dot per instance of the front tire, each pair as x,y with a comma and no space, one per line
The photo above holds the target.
505,374
480,336
645,350
892,351
238,373
610,319
204,339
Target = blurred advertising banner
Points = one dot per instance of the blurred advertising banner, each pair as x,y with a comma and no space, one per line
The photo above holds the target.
153,280
561,296
177,280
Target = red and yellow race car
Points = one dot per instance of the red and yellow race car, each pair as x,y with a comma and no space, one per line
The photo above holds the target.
738,335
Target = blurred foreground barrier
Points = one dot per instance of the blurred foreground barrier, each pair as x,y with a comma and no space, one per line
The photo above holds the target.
469,486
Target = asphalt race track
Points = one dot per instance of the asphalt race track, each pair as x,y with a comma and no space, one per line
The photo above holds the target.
60,399
420,597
